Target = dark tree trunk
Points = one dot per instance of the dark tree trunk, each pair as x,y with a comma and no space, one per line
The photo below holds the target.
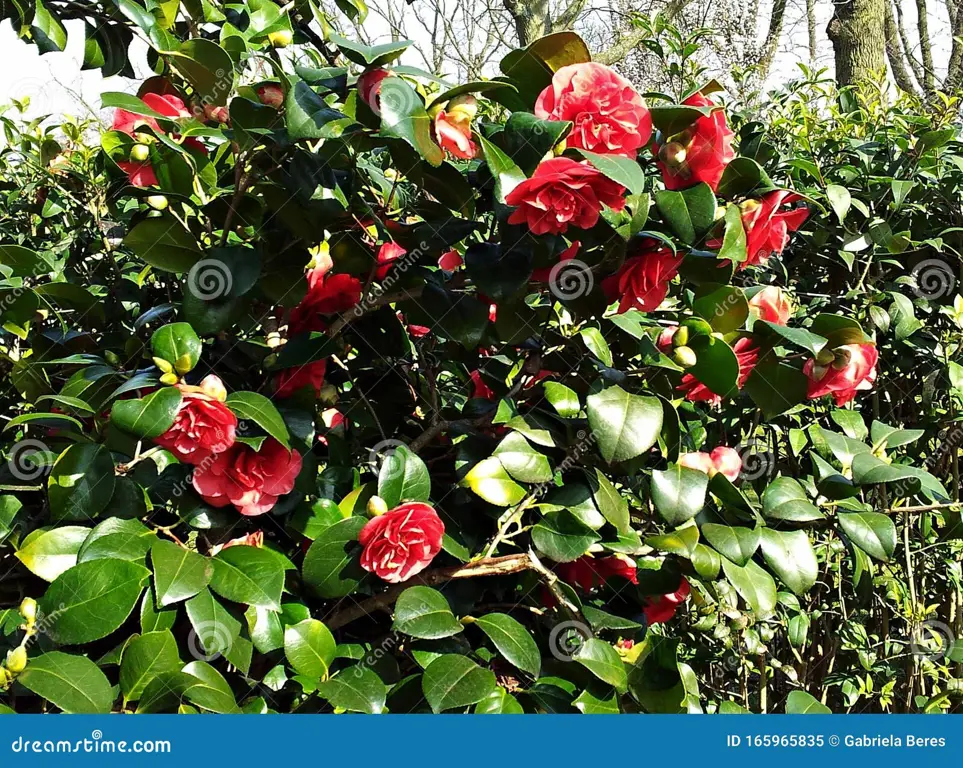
859,41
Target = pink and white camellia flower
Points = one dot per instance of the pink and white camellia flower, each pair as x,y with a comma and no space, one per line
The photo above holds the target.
609,116
563,193
270,95
852,370
724,460
700,153
203,426
401,542
251,480
773,305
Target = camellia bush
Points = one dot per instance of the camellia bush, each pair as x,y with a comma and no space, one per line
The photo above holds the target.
333,386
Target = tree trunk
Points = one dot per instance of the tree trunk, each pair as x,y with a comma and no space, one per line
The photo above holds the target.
859,43
531,19
811,28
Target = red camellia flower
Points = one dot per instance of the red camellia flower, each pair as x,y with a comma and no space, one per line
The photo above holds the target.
768,227
450,261
250,480
561,193
663,607
401,542
141,174
699,153
773,305
642,282
747,354
722,459
589,572
453,127
479,388
328,294
369,86
852,369
388,253
270,95
203,425
291,380
609,115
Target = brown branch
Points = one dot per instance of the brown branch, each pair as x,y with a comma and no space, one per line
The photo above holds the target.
495,566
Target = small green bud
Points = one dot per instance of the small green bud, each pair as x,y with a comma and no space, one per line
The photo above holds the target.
377,506
684,356
17,660
157,202
169,378
164,365
681,337
139,153
28,609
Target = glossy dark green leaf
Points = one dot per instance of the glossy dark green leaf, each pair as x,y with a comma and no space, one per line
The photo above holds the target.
791,557
563,537
91,600
163,243
150,416
735,542
690,213
872,532
331,565
248,575
145,657
603,661
753,584
521,461
309,117
679,493
403,477
512,640
72,683
355,689
489,480
117,538
785,499
81,482
624,424
215,631
424,613
453,681
178,573
209,690
309,648
403,116
260,410
48,553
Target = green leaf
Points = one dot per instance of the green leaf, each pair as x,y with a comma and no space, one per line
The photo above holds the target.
177,343
671,119
151,416
521,461
563,537
802,703
144,658
625,425
424,613
689,213
72,683
331,564
403,477
679,493
17,261
369,55
527,139
260,410
356,689
736,543
117,538
790,555
91,600
614,508
209,690
48,553
507,175
512,640
49,33
872,532
563,399
248,575
499,702
403,116
785,499
596,344
214,628
178,573
754,585
743,176
776,387
163,243
453,681
489,480
603,661
151,619
839,199
588,704
716,365
81,482
724,306
682,542
309,648
207,67
309,117
622,170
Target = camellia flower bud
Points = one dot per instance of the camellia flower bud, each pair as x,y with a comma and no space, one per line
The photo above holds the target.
139,153
281,39
28,609
377,506
681,337
825,356
16,660
673,154
5,678
165,367
169,378
157,202
684,356
465,105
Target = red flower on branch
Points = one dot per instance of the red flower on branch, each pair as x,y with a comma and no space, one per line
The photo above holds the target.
291,380
642,282
250,480
699,153
609,116
401,542
851,370
563,193
773,305
662,608
768,227
203,425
